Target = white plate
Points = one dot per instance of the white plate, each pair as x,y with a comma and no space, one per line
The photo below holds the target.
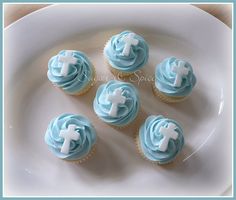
204,167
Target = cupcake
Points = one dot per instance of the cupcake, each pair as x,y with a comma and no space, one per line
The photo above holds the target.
71,71
117,103
174,80
160,139
126,53
71,137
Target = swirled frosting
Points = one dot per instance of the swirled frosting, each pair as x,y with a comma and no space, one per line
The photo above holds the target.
78,148
126,111
150,139
138,55
165,78
78,76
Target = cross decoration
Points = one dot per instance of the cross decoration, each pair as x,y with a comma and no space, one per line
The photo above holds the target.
68,135
180,71
67,59
116,98
168,133
129,40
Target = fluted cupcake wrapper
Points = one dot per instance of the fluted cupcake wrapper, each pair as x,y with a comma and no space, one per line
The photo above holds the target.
84,159
119,73
165,98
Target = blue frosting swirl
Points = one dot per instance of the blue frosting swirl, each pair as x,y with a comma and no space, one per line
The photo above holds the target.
79,74
165,77
137,58
150,138
78,149
126,112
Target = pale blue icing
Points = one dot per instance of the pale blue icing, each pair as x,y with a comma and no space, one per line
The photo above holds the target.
126,112
165,77
78,149
137,58
79,75
150,138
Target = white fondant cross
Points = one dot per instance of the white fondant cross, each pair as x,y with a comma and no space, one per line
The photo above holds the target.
67,60
129,40
68,135
168,133
116,98
180,70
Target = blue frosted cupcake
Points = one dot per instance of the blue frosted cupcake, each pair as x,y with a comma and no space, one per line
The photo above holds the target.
117,103
125,53
174,80
71,137
160,139
71,71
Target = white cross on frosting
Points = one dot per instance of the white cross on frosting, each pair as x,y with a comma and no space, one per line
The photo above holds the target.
116,98
168,133
67,60
180,71
68,135
129,40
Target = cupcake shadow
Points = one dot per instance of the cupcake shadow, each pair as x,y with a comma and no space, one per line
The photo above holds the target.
132,128
197,105
191,112
187,162
106,163
88,97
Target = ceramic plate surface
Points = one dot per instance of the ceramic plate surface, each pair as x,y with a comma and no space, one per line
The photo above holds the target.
203,168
